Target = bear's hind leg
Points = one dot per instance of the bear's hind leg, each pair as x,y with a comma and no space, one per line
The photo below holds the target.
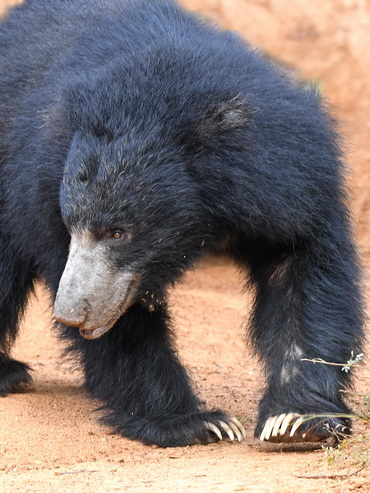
308,307
16,282
147,393
14,376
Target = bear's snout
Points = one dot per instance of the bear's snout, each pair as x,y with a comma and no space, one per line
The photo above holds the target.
91,295
74,316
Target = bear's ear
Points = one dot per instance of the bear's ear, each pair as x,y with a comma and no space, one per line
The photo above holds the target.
224,117
222,123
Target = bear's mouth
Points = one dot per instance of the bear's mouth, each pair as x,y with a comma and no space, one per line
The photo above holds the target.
96,333
99,331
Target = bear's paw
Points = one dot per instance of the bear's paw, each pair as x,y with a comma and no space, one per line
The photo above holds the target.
294,427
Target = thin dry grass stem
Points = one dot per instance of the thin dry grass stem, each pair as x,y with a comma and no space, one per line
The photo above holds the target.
352,362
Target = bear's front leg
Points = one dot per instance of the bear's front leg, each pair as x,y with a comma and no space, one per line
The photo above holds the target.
308,308
147,393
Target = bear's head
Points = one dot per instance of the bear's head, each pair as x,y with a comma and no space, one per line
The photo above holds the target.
138,211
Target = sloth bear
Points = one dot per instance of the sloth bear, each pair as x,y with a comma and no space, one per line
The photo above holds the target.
134,138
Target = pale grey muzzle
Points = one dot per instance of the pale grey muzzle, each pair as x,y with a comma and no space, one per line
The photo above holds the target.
92,295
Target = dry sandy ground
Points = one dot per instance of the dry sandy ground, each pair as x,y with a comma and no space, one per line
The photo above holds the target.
50,440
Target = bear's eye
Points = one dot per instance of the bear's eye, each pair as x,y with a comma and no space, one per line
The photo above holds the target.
117,234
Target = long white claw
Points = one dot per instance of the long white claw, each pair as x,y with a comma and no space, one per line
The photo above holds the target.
262,436
239,426
236,431
284,425
227,430
270,427
276,427
212,427
296,425
266,432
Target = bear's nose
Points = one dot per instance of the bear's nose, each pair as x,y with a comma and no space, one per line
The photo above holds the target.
74,316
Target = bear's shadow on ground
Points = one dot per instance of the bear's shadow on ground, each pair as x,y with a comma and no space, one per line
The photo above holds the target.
58,388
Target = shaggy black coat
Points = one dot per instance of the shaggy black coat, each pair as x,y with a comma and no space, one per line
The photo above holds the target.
190,137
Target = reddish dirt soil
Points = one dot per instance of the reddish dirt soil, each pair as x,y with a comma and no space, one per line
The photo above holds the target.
50,440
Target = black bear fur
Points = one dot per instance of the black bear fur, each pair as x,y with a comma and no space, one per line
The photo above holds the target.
135,116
